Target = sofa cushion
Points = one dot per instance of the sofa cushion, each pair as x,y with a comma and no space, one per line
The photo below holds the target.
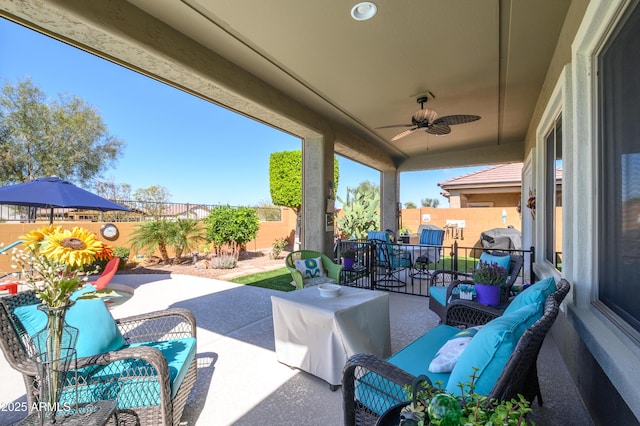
310,268
536,293
490,349
143,391
447,356
439,294
414,359
98,332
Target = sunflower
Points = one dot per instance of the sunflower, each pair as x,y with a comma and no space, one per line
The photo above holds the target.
76,248
36,236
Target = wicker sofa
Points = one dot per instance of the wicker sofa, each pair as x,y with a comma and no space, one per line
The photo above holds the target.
150,377
372,385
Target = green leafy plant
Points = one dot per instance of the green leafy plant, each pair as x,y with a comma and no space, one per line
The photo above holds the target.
277,246
153,235
489,274
360,211
185,236
230,228
433,405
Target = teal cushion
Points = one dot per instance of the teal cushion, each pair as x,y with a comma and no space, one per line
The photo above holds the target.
490,349
502,261
439,294
537,293
310,268
98,332
374,391
135,391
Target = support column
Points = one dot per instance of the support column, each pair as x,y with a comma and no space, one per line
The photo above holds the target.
317,188
389,199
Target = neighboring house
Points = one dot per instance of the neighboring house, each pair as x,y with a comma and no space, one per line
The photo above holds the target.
186,211
496,186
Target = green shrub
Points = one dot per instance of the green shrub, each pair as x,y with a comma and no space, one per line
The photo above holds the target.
230,228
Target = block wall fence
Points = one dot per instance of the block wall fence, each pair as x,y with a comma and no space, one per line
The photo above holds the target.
476,220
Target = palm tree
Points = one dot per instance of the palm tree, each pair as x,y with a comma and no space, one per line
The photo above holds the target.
185,235
152,236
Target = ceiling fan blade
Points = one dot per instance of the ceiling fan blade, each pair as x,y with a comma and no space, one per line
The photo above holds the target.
438,129
456,119
395,125
403,134
426,115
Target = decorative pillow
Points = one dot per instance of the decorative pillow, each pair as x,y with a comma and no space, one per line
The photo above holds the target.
310,268
536,293
491,348
502,261
448,355
98,332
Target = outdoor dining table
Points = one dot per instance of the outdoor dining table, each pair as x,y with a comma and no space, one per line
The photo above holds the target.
318,334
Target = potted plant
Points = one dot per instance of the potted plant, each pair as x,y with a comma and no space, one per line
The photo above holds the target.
348,257
488,279
433,405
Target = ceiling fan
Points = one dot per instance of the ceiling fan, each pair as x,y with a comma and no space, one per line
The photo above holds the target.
427,119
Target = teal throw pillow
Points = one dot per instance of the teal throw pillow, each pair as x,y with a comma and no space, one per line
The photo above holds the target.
536,293
490,349
98,332
310,268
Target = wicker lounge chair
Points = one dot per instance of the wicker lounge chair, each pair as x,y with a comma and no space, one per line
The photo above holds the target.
136,376
371,383
451,279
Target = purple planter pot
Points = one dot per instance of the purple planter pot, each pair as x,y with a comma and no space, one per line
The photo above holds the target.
488,295
347,263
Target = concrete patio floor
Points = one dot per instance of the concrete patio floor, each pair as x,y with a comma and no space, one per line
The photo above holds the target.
240,381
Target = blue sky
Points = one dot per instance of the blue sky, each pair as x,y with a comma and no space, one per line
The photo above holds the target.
200,152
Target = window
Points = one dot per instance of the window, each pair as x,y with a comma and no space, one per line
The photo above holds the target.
619,171
553,194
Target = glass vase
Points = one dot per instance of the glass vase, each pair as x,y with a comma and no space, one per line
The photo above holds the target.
55,356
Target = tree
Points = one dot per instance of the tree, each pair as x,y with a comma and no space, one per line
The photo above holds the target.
155,197
66,138
409,205
185,235
153,235
231,228
430,202
108,188
285,178
360,211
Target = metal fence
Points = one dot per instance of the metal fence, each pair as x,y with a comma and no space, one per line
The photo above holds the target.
407,274
140,211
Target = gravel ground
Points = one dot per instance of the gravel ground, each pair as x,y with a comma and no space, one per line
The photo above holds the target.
250,262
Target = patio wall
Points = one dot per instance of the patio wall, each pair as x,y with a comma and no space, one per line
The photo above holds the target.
268,232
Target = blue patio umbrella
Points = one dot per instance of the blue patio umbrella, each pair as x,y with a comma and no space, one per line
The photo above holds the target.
52,192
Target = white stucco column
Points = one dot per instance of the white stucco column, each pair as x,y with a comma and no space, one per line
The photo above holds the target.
389,198
317,187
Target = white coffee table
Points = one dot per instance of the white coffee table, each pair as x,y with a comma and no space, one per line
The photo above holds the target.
318,334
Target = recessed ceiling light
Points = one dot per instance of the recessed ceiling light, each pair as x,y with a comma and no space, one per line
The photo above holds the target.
363,11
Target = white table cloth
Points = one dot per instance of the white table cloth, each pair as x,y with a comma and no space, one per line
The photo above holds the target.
318,334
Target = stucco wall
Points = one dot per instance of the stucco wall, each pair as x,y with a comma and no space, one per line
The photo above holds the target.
268,232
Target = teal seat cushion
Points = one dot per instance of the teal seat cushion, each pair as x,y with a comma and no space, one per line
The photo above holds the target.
439,294
490,349
118,380
98,332
415,359
536,293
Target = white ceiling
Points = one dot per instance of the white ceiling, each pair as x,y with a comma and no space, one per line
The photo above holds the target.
480,57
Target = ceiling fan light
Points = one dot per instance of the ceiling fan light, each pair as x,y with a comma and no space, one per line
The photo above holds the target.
363,11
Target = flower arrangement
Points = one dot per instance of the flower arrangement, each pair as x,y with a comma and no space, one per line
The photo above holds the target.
489,274
435,406
56,261
531,202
